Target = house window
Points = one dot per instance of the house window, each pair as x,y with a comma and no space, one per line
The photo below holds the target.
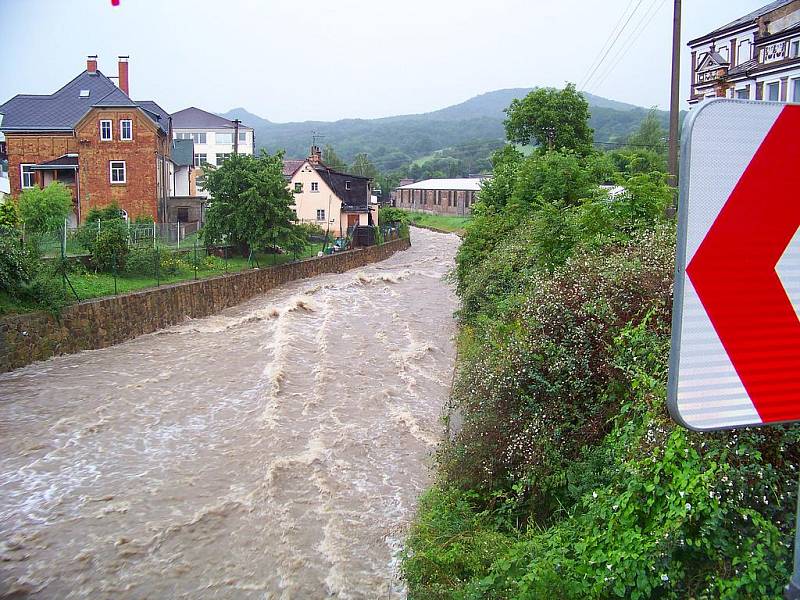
320,214
105,130
773,91
224,138
200,159
347,185
242,136
298,187
198,138
743,93
126,129
183,214
796,90
27,176
118,174
794,49
222,158
314,186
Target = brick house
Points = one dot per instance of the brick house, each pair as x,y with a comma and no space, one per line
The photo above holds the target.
333,200
93,138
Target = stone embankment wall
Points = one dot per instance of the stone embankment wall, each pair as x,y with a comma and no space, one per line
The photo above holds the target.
107,321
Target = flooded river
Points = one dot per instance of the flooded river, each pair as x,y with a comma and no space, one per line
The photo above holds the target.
275,450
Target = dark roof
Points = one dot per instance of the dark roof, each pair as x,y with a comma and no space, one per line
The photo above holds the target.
290,166
196,118
356,199
155,112
183,152
743,67
63,109
67,161
745,20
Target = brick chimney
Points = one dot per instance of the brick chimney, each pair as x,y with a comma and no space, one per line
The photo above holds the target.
91,63
123,75
316,156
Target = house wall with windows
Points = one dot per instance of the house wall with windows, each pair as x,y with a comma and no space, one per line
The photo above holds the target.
453,197
315,201
756,57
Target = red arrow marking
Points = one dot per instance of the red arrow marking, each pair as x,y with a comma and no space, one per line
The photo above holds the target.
734,273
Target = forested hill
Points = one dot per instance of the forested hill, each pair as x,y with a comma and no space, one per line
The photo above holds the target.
394,141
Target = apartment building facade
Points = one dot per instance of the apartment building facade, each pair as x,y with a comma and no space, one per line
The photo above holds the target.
215,138
756,57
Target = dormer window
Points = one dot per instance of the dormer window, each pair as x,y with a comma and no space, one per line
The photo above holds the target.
84,93
105,130
347,185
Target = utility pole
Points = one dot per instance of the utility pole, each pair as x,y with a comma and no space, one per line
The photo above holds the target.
674,106
236,123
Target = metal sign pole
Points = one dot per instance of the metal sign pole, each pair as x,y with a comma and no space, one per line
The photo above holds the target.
792,591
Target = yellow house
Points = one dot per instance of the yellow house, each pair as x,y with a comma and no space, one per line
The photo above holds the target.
335,201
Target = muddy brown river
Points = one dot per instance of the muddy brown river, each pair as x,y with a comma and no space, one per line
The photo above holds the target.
276,450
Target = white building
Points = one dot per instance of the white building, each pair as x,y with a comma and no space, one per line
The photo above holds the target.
756,57
215,138
440,196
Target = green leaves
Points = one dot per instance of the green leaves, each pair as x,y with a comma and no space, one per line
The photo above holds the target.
44,210
251,205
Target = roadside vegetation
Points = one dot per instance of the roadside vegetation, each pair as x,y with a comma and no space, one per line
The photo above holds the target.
567,478
452,224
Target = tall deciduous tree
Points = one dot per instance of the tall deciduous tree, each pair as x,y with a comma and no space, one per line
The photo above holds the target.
650,135
553,119
363,166
251,206
331,159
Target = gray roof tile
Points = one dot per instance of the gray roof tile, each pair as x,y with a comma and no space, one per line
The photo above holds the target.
196,118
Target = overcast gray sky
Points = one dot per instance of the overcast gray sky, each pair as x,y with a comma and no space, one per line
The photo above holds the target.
332,59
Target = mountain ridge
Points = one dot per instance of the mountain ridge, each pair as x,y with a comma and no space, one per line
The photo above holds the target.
396,140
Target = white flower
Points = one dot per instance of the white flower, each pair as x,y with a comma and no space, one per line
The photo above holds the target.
594,494
664,577
688,506
682,493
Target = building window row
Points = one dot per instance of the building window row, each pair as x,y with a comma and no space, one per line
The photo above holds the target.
219,138
107,130
771,91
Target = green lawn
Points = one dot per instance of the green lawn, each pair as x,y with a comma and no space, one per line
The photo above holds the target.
95,285
445,223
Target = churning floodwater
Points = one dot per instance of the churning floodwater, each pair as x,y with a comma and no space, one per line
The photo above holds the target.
275,450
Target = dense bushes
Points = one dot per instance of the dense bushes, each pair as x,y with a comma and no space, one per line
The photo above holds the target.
567,478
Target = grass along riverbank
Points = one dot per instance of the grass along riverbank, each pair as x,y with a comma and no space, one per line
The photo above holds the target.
440,222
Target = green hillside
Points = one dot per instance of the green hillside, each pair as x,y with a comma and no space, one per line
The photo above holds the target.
392,142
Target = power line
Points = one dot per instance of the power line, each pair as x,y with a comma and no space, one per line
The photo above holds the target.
642,26
608,39
616,38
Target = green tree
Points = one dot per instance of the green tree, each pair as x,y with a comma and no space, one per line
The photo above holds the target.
9,215
333,160
363,166
251,206
44,210
650,135
553,119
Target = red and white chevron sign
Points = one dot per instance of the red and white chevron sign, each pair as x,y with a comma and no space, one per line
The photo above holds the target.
735,356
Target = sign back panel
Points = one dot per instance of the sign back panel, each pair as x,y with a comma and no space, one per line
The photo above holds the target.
735,355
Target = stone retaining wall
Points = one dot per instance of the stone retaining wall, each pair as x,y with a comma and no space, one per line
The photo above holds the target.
107,321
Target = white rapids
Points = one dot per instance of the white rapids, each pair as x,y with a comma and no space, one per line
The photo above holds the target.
275,450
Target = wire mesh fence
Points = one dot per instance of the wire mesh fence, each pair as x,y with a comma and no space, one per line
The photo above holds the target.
114,257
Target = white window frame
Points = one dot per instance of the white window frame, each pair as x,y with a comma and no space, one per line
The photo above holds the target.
347,185
298,187
314,186
766,90
792,83
111,170
220,142
195,137
742,89
221,157
22,176
110,130
794,48
198,162
321,214
242,137
122,129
